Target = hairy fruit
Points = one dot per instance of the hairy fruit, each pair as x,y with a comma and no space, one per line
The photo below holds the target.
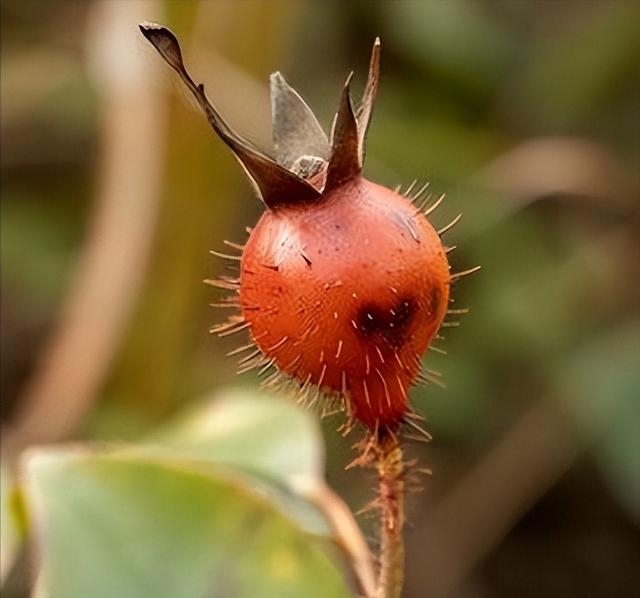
347,294
343,283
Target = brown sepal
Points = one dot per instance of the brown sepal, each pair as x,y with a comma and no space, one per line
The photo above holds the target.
344,163
276,185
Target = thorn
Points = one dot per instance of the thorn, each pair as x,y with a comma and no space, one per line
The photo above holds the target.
420,429
414,415
435,204
249,357
437,350
324,371
410,188
251,365
266,366
366,392
225,256
433,372
380,355
401,386
384,385
240,349
459,275
420,191
220,283
423,378
293,362
237,246
449,226
279,344
225,304
234,330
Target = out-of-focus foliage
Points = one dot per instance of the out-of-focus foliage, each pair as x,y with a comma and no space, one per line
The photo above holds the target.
607,407
10,536
185,517
525,113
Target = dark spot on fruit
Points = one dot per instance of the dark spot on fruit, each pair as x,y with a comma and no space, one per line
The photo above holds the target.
388,323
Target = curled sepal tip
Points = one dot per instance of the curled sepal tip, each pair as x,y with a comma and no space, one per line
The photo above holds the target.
276,185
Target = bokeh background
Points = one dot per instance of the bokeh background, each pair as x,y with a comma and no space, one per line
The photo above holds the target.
527,114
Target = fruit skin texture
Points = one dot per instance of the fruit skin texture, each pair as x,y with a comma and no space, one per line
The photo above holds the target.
346,294
343,283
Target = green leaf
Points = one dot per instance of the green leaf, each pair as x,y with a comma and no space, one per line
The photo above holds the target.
252,431
601,389
275,444
141,526
10,532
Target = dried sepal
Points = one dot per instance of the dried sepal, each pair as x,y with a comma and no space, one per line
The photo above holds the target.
277,186
306,165
368,98
344,163
296,130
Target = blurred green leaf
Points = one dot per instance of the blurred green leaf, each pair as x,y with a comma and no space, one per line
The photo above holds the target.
10,536
457,39
575,69
601,384
252,431
136,526
37,248
276,445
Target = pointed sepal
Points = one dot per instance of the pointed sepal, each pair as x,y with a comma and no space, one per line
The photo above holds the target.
276,185
296,130
368,98
344,163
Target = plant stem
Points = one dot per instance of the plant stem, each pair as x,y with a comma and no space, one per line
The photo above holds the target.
391,488
347,536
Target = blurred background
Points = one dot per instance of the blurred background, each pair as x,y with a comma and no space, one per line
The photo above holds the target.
527,114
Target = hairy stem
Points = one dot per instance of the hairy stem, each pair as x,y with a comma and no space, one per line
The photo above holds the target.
391,488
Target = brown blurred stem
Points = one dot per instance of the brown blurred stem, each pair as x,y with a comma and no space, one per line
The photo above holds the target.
115,253
347,536
391,490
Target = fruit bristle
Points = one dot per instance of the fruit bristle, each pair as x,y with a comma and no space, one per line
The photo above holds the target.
349,296
343,284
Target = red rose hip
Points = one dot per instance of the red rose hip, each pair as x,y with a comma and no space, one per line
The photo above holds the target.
343,283
347,294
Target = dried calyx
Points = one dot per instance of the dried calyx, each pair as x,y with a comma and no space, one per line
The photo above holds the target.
305,165
343,283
